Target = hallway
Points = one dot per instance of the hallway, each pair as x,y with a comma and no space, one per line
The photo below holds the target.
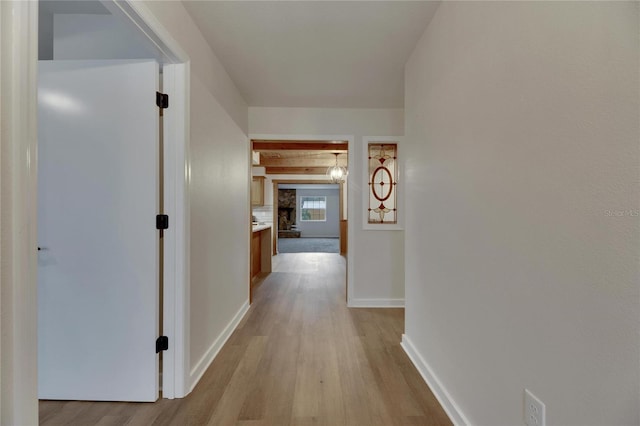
299,357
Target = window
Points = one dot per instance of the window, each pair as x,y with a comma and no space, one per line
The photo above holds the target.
382,176
313,209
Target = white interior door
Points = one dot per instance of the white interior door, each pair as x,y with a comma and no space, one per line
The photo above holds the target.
98,257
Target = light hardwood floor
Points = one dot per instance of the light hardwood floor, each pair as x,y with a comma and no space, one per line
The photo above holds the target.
299,357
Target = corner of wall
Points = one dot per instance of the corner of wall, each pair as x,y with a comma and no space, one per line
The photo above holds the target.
201,366
445,399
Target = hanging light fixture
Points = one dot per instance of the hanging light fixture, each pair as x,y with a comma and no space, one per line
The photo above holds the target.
337,174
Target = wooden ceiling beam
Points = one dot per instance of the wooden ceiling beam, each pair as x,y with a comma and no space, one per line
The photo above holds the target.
295,170
290,153
263,146
298,162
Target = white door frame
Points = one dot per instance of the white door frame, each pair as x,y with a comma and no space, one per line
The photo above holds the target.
175,375
351,207
18,195
18,106
176,71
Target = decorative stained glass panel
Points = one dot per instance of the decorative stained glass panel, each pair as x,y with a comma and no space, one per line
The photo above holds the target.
383,176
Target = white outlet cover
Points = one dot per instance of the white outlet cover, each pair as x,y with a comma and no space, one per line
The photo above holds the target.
534,414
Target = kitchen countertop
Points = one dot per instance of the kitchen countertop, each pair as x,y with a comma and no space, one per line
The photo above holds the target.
258,228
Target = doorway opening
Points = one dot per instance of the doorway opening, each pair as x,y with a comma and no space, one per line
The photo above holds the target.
305,209
308,217
120,182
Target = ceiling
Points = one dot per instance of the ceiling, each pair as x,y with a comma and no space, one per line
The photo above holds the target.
332,54
299,157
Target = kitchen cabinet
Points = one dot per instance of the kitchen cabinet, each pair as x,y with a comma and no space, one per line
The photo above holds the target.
260,255
256,254
257,191
343,237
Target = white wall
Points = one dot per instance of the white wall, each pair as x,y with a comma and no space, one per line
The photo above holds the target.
204,62
45,34
377,275
219,170
49,8
80,36
522,209
327,229
219,231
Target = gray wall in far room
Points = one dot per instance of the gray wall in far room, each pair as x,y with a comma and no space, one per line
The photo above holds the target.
330,228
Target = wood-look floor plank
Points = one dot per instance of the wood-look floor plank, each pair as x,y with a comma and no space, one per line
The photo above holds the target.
299,357
241,384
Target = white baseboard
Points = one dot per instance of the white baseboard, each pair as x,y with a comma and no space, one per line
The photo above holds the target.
376,303
212,352
446,401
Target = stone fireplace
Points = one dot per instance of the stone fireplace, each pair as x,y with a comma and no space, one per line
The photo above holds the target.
287,214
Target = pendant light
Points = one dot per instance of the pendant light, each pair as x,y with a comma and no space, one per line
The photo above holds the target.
337,174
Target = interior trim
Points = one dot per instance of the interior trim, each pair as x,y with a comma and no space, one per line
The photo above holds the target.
447,402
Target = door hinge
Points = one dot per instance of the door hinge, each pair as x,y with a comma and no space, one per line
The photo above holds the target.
162,100
162,221
162,344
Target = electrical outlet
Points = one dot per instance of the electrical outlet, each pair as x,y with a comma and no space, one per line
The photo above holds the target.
533,410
